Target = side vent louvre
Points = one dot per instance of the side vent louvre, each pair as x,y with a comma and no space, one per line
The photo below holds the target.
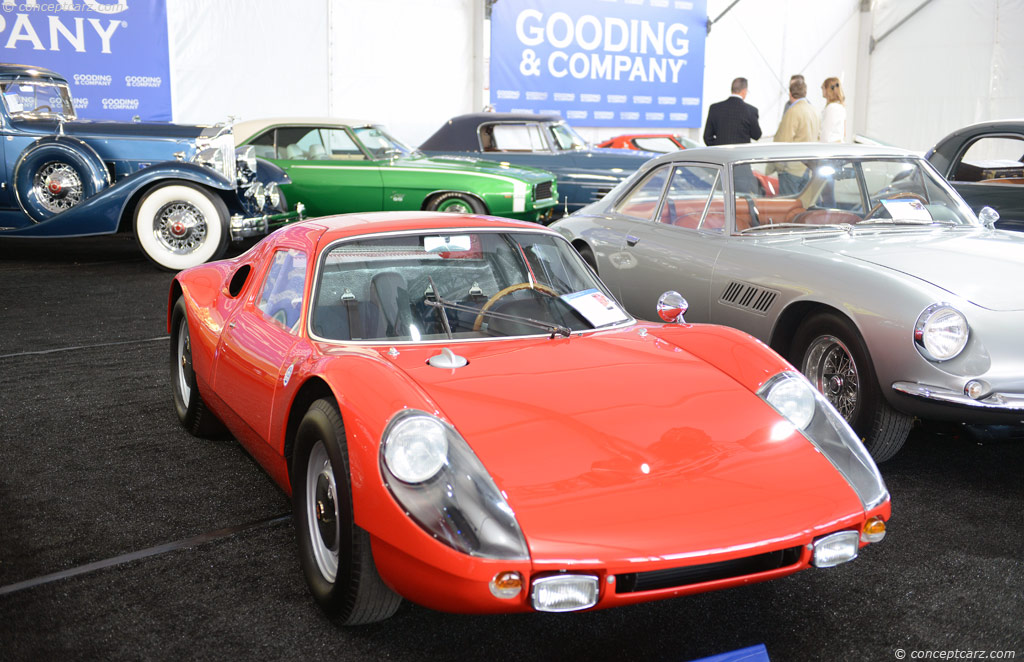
749,297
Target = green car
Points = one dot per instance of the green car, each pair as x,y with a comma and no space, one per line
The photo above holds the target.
338,166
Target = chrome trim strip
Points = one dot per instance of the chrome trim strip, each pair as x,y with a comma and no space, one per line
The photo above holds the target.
999,401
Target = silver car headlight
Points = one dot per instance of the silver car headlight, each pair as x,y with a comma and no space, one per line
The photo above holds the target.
245,159
941,332
807,410
440,482
274,195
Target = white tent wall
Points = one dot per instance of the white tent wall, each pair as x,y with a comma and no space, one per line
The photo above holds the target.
413,64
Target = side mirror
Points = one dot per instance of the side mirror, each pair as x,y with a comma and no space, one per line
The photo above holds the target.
988,217
672,306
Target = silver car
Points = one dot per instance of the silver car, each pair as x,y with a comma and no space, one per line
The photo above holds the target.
859,264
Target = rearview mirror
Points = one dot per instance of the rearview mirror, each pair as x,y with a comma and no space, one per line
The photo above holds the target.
672,306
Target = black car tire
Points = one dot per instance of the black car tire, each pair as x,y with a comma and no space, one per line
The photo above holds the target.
335,554
79,173
828,349
180,225
458,203
192,411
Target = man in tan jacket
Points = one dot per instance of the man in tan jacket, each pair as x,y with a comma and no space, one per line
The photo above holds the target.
800,124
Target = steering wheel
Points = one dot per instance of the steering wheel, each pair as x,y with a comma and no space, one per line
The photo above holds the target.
38,108
898,196
478,322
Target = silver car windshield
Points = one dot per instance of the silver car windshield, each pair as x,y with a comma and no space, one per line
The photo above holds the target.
566,137
457,285
29,97
381,144
815,194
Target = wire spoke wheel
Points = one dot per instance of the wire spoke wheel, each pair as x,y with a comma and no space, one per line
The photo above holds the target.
57,186
180,227
832,370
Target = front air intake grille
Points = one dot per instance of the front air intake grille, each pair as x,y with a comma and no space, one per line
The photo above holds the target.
749,297
708,572
542,191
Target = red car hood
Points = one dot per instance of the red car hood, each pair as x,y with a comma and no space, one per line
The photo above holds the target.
620,446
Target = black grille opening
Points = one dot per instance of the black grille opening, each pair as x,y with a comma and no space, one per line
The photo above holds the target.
542,191
708,572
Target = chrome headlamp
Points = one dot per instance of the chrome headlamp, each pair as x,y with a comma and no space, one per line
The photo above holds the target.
245,162
273,195
435,476
258,193
941,332
807,410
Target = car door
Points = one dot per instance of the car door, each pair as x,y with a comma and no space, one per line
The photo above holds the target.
330,173
990,172
260,345
674,241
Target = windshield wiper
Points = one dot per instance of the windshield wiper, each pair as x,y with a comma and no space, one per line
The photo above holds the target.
794,226
553,329
906,221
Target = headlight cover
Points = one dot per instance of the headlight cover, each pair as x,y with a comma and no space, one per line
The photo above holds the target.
941,332
435,476
825,427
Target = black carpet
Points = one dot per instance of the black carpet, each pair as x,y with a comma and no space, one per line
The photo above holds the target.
93,466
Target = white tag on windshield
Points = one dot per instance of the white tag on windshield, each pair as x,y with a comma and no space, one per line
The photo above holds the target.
907,210
595,307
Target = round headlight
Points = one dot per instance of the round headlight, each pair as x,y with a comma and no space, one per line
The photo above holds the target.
941,331
416,448
273,194
794,399
259,194
246,158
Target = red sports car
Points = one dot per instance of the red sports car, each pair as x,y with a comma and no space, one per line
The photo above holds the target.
466,418
650,142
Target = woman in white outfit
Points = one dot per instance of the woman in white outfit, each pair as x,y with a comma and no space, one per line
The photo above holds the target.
833,118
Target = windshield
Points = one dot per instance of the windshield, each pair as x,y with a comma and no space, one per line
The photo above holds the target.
458,285
32,97
868,192
380,144
566,138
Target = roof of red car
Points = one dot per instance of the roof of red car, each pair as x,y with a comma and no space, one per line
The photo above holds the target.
348,225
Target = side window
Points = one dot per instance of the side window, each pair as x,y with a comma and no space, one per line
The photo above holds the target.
340,147
264,145
281,298
512,138
990,159
295,143
659,144
688,193
642,201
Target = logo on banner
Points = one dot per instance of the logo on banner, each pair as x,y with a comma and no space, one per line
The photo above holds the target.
630,63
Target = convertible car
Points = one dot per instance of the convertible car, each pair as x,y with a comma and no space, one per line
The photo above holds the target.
985,164
185,191
465,417
338,166
584,173
869,273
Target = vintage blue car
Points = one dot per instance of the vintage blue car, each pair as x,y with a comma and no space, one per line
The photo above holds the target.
584,174
183,190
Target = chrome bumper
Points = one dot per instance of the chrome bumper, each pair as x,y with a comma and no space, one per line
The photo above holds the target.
257,226
1008,402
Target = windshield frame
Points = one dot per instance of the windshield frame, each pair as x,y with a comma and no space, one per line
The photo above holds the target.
321,262
67,113
576,137
399,146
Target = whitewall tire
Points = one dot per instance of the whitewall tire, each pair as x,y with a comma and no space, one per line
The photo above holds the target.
181,225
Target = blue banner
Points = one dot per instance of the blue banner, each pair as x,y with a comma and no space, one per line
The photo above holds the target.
622,63
113,52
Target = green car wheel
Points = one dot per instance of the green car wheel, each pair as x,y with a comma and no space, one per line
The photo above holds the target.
456,203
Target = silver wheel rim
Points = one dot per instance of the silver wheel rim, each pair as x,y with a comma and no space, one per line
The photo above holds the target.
180,227
184,359
57,186
832,370
322,511
456,207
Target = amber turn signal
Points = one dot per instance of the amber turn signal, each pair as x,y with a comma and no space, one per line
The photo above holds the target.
874,530
506,585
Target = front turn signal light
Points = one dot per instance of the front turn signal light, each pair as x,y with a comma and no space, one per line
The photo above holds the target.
506,585
874,530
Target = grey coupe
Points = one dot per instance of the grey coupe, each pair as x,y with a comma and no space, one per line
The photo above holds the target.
859,264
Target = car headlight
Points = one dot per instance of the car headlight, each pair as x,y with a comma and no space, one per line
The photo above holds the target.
274,195
439,481
941,332
258,194
245,160
819,422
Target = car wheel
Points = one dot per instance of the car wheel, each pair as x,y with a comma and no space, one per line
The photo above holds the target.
456,203
181,225
831,353
188,403
51,178
335,553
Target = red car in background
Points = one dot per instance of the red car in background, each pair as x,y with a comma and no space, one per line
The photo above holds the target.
651,142
466,418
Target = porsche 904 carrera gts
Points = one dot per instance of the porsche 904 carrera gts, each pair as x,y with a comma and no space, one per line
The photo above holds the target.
466,418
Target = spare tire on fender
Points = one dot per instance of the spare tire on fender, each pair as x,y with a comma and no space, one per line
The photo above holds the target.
56,173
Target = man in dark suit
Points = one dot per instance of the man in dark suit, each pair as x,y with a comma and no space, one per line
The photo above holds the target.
733,120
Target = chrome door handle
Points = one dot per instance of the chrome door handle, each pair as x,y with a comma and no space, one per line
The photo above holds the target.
632,240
